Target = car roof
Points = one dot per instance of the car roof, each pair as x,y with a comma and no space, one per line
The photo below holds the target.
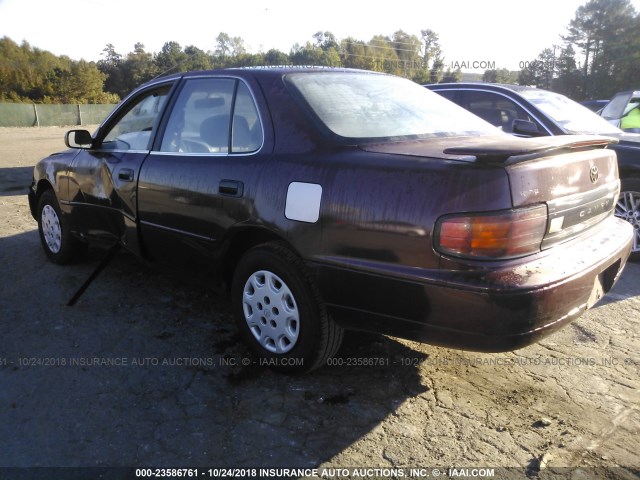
256,71
490,86
260,71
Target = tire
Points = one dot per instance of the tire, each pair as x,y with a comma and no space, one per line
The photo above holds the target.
59,244
628,208
279,313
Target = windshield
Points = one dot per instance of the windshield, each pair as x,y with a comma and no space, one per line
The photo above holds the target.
372,106
571,116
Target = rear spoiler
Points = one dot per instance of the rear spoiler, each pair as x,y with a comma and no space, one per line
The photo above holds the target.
512,150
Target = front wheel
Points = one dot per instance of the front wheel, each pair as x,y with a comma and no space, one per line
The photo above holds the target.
278,310
628,208
58,243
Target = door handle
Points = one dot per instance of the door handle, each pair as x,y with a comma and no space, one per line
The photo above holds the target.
126,174
231,188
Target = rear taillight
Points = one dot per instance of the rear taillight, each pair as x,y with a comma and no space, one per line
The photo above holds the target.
504,234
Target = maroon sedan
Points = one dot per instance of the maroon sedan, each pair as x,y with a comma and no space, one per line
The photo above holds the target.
334,199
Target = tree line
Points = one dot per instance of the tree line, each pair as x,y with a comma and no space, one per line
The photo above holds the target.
417,58
29,74
599,55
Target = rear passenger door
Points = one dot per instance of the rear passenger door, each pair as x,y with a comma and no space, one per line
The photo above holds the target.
198,180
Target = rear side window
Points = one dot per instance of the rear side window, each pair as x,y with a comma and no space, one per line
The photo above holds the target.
448,94
246,134
213,115
496,109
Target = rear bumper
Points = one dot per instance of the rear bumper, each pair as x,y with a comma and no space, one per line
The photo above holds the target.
497,308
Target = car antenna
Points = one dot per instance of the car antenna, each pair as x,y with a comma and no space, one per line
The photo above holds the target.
103,263
177,65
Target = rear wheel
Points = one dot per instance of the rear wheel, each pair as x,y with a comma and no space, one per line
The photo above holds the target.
278,310
628,208
57,241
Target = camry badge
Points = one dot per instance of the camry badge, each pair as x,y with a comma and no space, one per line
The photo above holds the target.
593,173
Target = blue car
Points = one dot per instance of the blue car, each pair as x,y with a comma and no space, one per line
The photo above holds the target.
533,112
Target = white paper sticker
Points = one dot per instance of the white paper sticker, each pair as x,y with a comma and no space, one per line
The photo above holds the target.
303,202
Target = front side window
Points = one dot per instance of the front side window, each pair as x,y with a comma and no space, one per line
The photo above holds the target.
571,116
374,106
200,121
133,130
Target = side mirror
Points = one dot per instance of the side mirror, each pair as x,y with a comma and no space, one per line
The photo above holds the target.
78,139
527,128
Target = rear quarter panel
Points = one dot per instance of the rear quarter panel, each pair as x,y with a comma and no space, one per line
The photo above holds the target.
376,207
383,208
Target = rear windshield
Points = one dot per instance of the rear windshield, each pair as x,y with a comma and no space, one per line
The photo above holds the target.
358,105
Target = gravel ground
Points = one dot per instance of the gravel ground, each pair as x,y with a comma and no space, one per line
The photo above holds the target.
146,370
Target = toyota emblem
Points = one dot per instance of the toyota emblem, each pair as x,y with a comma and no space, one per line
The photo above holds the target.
593,173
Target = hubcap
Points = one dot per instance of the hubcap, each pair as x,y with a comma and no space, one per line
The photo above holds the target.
271,312
51,229
628,208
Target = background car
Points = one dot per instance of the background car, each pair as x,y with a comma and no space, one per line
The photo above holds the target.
334,199
594,105
532,112
622,106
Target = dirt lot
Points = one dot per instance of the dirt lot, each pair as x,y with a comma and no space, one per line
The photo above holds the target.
147,371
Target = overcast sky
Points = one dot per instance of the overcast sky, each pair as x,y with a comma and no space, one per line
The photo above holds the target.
502,33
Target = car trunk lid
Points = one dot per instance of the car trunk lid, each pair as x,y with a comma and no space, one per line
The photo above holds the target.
576,177
579,184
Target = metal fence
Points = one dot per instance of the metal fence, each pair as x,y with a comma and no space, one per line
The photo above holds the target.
37,115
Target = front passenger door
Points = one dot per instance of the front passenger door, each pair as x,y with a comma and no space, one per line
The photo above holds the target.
103,182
